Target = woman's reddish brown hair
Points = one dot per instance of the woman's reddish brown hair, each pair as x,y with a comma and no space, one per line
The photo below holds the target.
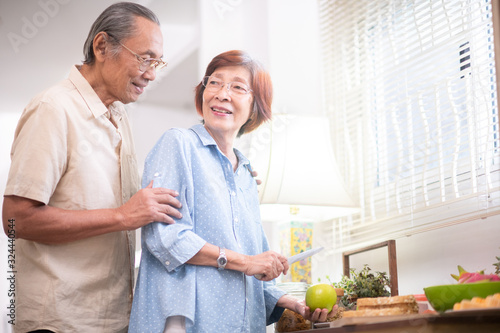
260,83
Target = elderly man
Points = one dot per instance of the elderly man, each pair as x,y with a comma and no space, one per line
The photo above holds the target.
72,197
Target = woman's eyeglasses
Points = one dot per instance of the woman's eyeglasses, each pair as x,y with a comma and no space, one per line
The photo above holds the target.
214,84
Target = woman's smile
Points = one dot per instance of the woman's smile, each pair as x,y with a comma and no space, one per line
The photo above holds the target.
225,112
220,110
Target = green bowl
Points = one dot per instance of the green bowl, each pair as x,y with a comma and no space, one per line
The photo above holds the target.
443,297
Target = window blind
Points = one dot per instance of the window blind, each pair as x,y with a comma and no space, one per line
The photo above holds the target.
410,89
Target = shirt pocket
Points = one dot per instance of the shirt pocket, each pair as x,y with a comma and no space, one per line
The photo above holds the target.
250,203
130,176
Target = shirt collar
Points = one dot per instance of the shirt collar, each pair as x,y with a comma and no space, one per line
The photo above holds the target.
207,140
94,103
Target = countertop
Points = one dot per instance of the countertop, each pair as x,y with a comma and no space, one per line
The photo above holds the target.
476,321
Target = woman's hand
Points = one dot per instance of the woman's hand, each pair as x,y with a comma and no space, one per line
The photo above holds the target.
266,266
319,315
269,264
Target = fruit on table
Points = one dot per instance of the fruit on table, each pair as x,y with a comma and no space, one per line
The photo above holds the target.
291,321
469,277
322,296
491,301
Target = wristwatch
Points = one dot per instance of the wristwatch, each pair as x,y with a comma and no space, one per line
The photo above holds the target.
222,260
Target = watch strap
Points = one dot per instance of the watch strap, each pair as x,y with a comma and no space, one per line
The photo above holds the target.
222,259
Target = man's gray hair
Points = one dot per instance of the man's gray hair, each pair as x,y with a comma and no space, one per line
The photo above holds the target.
118,21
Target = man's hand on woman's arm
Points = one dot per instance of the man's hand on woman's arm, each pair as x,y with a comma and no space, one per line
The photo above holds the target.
35,221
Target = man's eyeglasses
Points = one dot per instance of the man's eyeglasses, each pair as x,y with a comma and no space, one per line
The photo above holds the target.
148,63
214,84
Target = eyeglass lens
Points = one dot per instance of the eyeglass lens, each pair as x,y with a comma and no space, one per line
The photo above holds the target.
214,84
146,64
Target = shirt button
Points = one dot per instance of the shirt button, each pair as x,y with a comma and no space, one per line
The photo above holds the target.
236,219
167,263
233,193
156,174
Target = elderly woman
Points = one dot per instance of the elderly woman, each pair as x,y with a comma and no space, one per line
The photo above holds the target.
198,275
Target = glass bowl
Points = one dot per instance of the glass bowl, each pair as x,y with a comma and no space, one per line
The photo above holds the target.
443,297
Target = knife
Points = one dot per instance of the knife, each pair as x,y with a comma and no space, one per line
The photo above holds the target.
303,255
297,257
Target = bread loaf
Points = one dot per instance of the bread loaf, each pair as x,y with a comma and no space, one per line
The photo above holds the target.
370,302
384,306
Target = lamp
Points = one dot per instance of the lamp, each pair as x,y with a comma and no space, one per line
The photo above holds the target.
301,183
300,169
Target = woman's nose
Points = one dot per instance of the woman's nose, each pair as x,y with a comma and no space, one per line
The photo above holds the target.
223,92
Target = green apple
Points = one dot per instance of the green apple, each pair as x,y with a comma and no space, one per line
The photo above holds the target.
321,296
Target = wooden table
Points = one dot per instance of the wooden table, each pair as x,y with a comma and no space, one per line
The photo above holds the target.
473,321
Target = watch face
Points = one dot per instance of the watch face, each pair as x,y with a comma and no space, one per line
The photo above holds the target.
222,260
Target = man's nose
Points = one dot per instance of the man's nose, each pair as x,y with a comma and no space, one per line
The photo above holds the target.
150,74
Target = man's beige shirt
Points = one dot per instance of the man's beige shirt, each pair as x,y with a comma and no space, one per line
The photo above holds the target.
68,154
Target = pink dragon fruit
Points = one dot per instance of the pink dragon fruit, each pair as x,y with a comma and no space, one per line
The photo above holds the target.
469,277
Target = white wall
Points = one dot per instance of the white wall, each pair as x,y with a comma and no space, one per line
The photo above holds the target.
149,122
281,34
424,259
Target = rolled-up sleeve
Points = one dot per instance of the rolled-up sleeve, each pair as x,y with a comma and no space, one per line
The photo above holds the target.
172,245
271,296
167,165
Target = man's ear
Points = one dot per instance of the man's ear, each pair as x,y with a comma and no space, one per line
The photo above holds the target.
100,45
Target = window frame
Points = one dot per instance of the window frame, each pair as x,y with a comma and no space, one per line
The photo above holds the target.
414,219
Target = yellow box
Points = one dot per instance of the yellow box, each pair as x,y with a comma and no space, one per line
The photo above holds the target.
296,237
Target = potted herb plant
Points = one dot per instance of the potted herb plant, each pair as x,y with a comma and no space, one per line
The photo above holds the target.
364,283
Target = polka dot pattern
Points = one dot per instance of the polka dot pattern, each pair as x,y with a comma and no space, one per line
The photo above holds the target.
219,207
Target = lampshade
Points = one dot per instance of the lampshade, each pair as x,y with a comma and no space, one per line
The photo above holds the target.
295,161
